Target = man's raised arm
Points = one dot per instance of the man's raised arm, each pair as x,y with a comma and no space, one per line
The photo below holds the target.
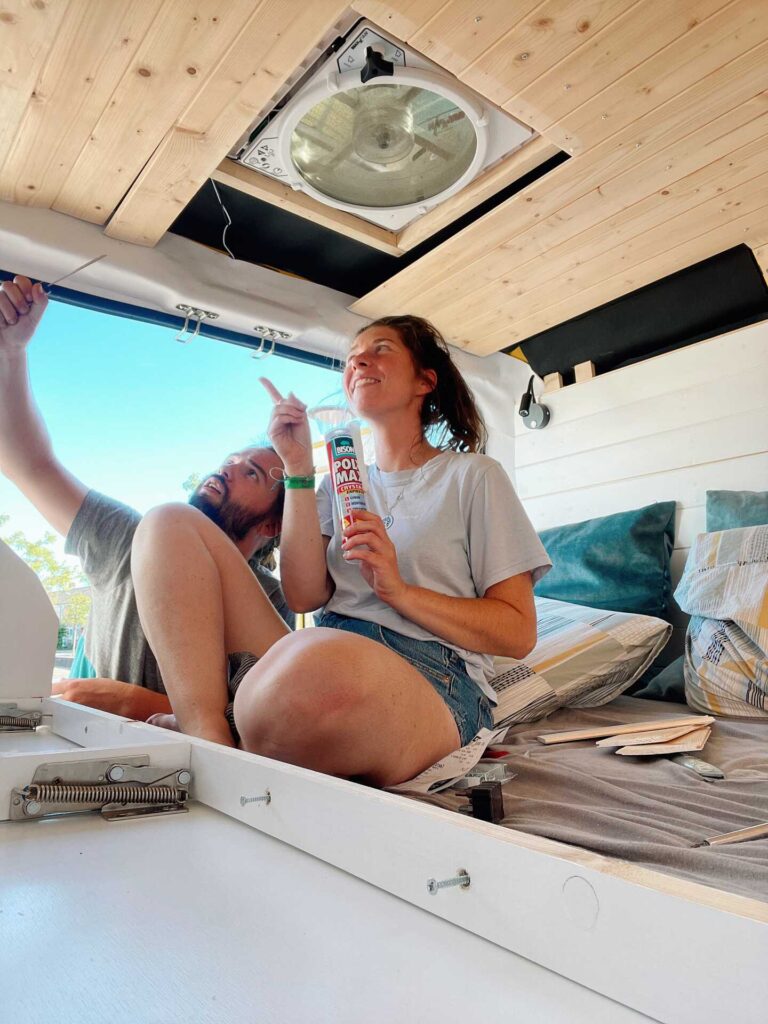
26,455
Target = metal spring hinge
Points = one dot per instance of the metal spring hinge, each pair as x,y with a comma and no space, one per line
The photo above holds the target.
12,719
192,315
119,789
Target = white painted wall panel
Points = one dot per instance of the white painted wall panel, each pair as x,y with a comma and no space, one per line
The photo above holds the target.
667,428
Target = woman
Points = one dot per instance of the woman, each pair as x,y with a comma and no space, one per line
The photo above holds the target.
438,570
417,592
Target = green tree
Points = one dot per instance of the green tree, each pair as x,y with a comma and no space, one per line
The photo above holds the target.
40,557
75,611
192,482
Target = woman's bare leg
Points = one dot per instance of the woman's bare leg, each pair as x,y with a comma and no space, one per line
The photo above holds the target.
344,705
198,602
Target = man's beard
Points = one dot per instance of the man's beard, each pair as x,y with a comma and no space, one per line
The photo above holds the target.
234,520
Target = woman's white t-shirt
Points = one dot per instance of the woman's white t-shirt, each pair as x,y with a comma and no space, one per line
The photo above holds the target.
458,528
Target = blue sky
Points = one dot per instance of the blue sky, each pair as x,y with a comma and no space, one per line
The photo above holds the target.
132,412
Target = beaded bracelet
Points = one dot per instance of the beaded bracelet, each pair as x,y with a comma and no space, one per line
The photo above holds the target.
299,482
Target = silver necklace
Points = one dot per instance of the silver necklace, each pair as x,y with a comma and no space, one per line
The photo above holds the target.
389,518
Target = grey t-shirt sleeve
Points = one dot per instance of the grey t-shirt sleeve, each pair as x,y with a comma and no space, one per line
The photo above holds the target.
101,536
325,506
502,541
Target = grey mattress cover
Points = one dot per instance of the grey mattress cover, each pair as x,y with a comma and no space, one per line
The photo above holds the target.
648,811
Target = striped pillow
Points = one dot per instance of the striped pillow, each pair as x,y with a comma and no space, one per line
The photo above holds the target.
584,657
725,591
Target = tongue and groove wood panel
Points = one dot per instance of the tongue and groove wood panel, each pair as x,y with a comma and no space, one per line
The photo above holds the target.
648,104
119,119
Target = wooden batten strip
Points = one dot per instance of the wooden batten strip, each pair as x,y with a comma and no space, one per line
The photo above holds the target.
552,382
277,194
27,34
513,167
272,44
584,371
761,255
92,50
182,47
596,732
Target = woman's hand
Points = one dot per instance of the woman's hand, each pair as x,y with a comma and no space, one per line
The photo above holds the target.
289,431
22,304
367,542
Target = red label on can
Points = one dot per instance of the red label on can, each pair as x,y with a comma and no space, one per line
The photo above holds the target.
345,474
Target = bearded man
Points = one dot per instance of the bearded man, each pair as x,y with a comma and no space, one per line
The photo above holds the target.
243,498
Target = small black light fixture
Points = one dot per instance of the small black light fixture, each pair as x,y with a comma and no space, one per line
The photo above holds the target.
534,415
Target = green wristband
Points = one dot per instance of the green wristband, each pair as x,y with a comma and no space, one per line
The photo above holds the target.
299,482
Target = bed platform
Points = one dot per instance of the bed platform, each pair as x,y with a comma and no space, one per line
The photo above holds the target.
315,904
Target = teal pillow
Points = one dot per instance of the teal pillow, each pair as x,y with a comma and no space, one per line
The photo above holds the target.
730,510
619,562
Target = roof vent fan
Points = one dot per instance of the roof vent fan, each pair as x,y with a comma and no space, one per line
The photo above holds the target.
381,132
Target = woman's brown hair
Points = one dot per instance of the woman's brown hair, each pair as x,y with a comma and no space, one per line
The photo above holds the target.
449,409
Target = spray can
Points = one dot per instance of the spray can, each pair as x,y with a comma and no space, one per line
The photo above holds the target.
348,476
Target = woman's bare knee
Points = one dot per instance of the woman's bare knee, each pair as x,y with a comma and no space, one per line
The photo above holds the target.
294,702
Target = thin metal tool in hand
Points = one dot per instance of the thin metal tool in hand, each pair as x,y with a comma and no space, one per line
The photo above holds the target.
740,836
72,273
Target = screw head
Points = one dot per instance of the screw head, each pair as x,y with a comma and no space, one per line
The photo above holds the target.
115,773
432,887
183,777
32,807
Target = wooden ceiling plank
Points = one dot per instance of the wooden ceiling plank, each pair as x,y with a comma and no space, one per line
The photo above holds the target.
27,33
734,84
460,32
549,34
183,46
400,17
735,217
619,47
268,190
691,194
512,168
701,52
701,164
270,46
93,47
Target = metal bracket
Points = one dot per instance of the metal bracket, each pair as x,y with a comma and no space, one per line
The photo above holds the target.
12,719
484,773
119,789
268,334
192,315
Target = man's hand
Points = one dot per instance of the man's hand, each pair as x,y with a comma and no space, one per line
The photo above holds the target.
22,304
118,698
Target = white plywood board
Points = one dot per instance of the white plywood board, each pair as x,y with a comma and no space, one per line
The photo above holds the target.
735,352
735,395
560,907
197,919
28,630
715,440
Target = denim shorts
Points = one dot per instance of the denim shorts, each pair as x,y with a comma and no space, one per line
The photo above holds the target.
443,669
